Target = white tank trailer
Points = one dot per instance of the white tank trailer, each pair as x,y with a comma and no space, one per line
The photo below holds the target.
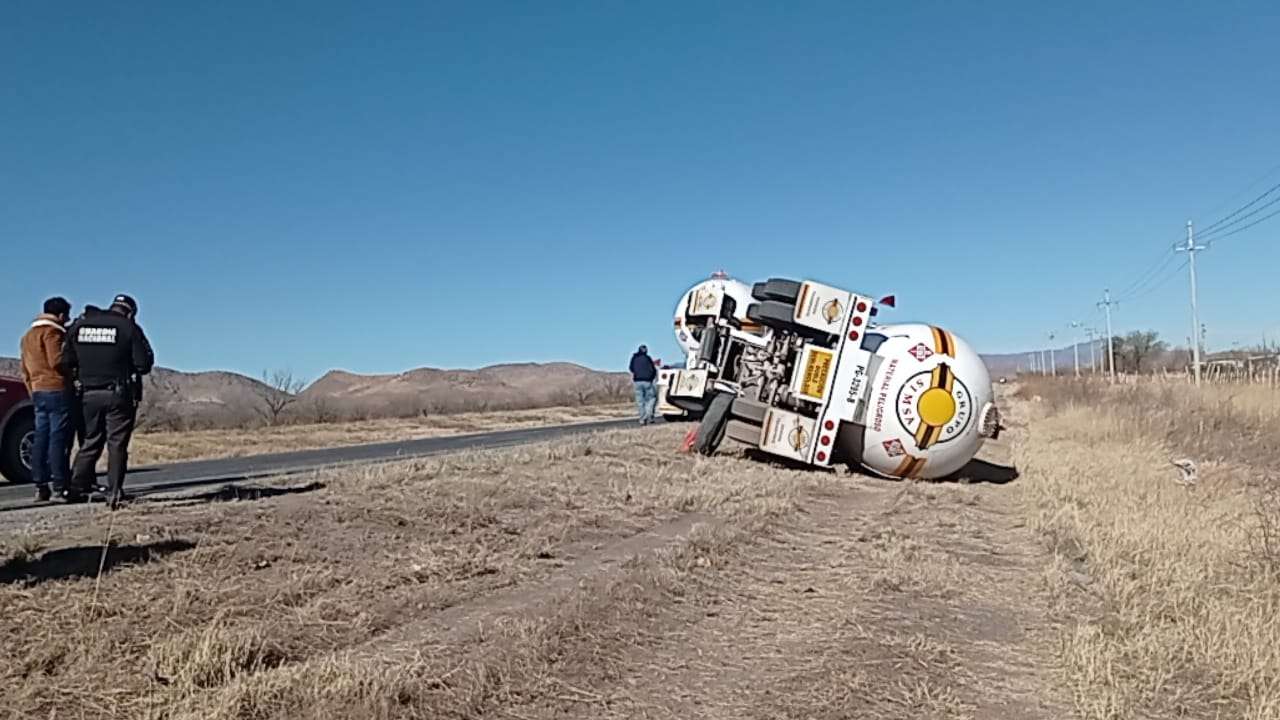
802,370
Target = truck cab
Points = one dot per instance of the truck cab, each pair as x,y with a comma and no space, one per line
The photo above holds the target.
718,295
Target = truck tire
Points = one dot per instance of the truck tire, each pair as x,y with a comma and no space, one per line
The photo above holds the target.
15,448
787,291
694,407
708,348
781,316
773,313
743,432
711,429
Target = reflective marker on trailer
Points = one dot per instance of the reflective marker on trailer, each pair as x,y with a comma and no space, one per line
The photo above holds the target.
822,457
857,320
853,335
830,425
826,439
862,307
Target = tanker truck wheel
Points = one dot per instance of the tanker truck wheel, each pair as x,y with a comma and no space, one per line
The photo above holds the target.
781,316
711,429
787,291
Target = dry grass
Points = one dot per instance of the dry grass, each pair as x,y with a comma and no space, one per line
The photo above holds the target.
256,610
490,585
166,447
1178,582
385,595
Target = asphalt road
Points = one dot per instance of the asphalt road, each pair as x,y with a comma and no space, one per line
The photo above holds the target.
162,478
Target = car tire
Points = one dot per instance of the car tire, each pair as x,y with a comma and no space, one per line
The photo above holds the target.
711,429
787,291
18,435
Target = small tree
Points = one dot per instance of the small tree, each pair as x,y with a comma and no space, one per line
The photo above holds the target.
582,394
1136,350
322,410
1142,347
278,391
617,387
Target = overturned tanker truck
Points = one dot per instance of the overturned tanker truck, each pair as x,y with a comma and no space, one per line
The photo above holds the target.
802,370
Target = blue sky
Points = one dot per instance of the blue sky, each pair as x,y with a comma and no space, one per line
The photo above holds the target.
383,186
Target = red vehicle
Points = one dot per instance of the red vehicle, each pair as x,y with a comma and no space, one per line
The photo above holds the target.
17,430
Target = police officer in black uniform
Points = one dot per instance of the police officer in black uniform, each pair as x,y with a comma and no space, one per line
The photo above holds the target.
106,354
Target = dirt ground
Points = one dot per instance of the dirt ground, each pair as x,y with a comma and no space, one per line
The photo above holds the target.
165,447
610,578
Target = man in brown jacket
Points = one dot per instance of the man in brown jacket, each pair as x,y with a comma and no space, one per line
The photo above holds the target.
43,370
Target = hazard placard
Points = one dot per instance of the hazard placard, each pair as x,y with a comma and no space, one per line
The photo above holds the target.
813,373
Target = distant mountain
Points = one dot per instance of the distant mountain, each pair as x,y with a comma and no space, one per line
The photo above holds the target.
182,400
497,387
190,400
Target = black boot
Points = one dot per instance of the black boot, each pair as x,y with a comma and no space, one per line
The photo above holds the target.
72,495
43,493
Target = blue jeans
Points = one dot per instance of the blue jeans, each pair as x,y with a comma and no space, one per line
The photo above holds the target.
49,457
646,399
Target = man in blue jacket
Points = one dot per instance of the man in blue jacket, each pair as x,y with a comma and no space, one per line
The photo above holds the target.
643,373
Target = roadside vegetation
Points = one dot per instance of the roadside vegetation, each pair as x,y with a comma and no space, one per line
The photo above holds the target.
1161,505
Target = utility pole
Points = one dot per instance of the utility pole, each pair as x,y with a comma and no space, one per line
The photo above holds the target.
1093,340
1111,348
1053,356
1191,249
1075,345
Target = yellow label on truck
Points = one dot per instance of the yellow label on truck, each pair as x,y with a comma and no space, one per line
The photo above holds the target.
816,371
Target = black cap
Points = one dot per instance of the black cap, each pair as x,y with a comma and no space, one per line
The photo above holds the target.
126,302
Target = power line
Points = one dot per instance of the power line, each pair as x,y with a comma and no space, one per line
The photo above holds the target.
1220,224
1268,216
1245,190
1242,218
1157,275
1162,283
1165,258
1141,285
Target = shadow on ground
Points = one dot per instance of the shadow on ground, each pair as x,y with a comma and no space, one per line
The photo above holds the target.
232,492
981,471
975,471
83,561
